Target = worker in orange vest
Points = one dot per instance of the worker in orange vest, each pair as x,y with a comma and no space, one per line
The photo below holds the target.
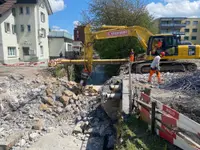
132,56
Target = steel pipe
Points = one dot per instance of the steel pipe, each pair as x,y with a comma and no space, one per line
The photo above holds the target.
115,87
112,95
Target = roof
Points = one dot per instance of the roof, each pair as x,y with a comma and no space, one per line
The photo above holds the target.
47,4
7,5
60,34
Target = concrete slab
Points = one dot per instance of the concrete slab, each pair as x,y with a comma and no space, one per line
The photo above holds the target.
10,141
125,96
53,141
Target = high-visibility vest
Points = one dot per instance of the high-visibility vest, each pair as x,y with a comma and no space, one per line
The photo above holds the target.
132,57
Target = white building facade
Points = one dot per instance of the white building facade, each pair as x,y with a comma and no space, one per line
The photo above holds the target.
60,42
24,29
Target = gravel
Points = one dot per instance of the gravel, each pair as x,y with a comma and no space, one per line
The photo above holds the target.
39,105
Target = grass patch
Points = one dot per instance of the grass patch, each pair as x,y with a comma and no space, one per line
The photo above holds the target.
135,136
59,71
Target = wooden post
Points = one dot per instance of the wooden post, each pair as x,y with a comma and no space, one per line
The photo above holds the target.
153,116
130,89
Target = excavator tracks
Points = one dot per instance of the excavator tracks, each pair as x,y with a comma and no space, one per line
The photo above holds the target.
165,66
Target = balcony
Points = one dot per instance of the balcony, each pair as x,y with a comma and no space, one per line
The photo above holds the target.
166,19
166,25
173,32
60,34
173,25
179,18
173,18
180,25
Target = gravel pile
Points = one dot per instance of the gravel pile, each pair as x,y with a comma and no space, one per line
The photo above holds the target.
30,108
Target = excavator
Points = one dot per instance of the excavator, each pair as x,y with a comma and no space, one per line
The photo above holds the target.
170,45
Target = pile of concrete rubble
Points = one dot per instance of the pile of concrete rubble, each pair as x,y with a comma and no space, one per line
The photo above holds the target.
30,108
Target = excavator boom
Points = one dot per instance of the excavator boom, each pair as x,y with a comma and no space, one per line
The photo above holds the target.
142,34
108,32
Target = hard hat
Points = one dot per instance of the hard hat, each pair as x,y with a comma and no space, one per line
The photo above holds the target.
162,54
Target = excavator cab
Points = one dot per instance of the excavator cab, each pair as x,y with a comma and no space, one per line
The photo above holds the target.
160,43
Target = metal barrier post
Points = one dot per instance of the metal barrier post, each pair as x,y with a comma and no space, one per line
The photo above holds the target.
130,88
153,116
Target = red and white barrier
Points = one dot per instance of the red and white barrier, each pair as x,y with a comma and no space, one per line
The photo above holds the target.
169,124
25,64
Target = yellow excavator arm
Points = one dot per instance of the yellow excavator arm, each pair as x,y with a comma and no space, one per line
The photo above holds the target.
107,32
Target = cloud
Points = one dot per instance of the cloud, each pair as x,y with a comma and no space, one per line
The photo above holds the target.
57,5
175,8
76,23
56,28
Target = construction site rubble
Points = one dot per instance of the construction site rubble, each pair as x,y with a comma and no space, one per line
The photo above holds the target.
31,108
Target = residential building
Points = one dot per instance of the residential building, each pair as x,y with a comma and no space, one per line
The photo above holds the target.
192,30
24,30
187,28
60,42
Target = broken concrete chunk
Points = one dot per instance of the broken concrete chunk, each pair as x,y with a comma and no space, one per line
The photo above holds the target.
64,99
48,100
43,107
78,128
33,136
68,93
10,141
59,110
58,94
22,142
49,92
75,97
38,125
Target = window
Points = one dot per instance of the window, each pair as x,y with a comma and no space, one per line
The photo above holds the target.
186,38
26,51
194,37
14,29
43,33
194,30
69,47
21,10
22,28
11,51
13,12
41,51
27,10
42,17
187,30
187,22
7,27
29,28
195,22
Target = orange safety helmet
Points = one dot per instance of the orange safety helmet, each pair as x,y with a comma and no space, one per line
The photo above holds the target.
162,54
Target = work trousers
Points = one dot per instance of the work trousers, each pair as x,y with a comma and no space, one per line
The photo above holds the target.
152,71
131,58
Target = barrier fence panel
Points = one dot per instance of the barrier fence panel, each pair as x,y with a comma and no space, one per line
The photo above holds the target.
170,125
26,64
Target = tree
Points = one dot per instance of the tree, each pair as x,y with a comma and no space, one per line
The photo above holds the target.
118,12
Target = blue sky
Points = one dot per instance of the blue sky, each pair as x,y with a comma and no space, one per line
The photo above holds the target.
66,12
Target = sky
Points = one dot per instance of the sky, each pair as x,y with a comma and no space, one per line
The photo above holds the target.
67,13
